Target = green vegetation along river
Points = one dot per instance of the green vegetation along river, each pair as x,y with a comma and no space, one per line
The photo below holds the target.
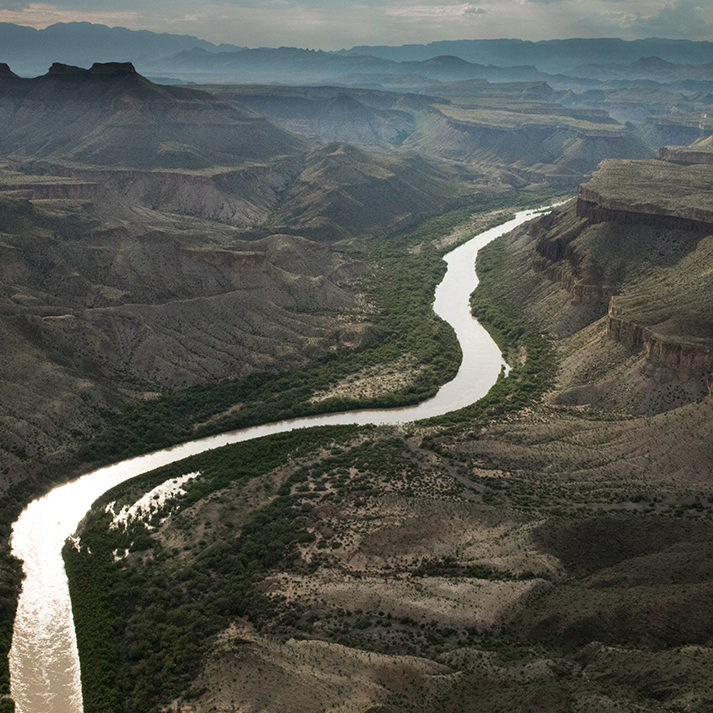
44,662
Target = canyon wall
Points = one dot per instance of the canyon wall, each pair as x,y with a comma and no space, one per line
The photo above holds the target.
682,154
687,359
561,252
600,209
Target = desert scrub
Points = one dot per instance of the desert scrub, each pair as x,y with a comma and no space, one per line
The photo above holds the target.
146,620
144,624
402,290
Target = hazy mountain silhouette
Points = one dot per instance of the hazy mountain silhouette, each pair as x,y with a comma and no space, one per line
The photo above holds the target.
290,65
547,55
111,115
649,68
30,51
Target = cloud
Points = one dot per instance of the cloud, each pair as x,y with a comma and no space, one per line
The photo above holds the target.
331,24
42,14
692,19
434,11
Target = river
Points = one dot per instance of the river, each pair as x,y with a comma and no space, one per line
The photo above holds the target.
44,663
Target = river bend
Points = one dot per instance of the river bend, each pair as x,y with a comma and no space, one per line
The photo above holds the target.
44,662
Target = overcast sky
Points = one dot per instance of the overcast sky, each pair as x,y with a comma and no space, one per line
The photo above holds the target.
331,24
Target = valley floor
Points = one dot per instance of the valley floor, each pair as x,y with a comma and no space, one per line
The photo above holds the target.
537,553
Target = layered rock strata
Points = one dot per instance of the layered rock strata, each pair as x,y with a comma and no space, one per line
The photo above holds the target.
563,250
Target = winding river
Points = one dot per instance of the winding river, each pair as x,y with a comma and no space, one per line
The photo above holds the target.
44,663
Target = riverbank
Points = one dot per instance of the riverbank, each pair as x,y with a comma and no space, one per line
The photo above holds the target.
45,590
437,567
402,288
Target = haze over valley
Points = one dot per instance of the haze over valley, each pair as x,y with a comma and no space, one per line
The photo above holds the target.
199,236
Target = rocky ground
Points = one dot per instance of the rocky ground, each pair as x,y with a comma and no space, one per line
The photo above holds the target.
554,557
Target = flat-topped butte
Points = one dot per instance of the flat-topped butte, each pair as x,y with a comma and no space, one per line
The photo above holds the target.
652,188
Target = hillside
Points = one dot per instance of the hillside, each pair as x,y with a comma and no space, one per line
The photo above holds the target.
554,144
100,310
357,116
203,248
110,115
520,127
345,190
547,544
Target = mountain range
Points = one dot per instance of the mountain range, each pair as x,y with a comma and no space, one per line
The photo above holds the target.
552,56
111,115
188,58
84,43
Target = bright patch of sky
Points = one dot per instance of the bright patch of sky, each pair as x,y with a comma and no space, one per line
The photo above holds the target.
331,24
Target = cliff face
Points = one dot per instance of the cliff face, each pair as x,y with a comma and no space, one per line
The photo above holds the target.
682,154
688,360
561,260
597,208
651,192
648,259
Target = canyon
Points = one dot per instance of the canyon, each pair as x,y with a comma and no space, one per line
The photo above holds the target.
178,261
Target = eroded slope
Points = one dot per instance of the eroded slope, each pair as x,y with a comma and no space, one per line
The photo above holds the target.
550,555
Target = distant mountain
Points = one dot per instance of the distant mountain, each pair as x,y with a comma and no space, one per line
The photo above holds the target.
290,65
651,68
30,51
110,115
547,56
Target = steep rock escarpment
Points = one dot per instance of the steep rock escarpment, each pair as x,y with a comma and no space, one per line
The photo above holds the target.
650,192
561,260
639,241
689,360
685,154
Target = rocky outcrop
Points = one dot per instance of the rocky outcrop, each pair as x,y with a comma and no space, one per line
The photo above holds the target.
599,209
559,261
682,154
112,68
687,359
581,292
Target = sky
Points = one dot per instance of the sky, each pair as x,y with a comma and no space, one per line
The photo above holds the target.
332,24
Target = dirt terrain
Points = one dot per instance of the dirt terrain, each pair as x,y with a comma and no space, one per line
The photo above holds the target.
547,550
558,554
